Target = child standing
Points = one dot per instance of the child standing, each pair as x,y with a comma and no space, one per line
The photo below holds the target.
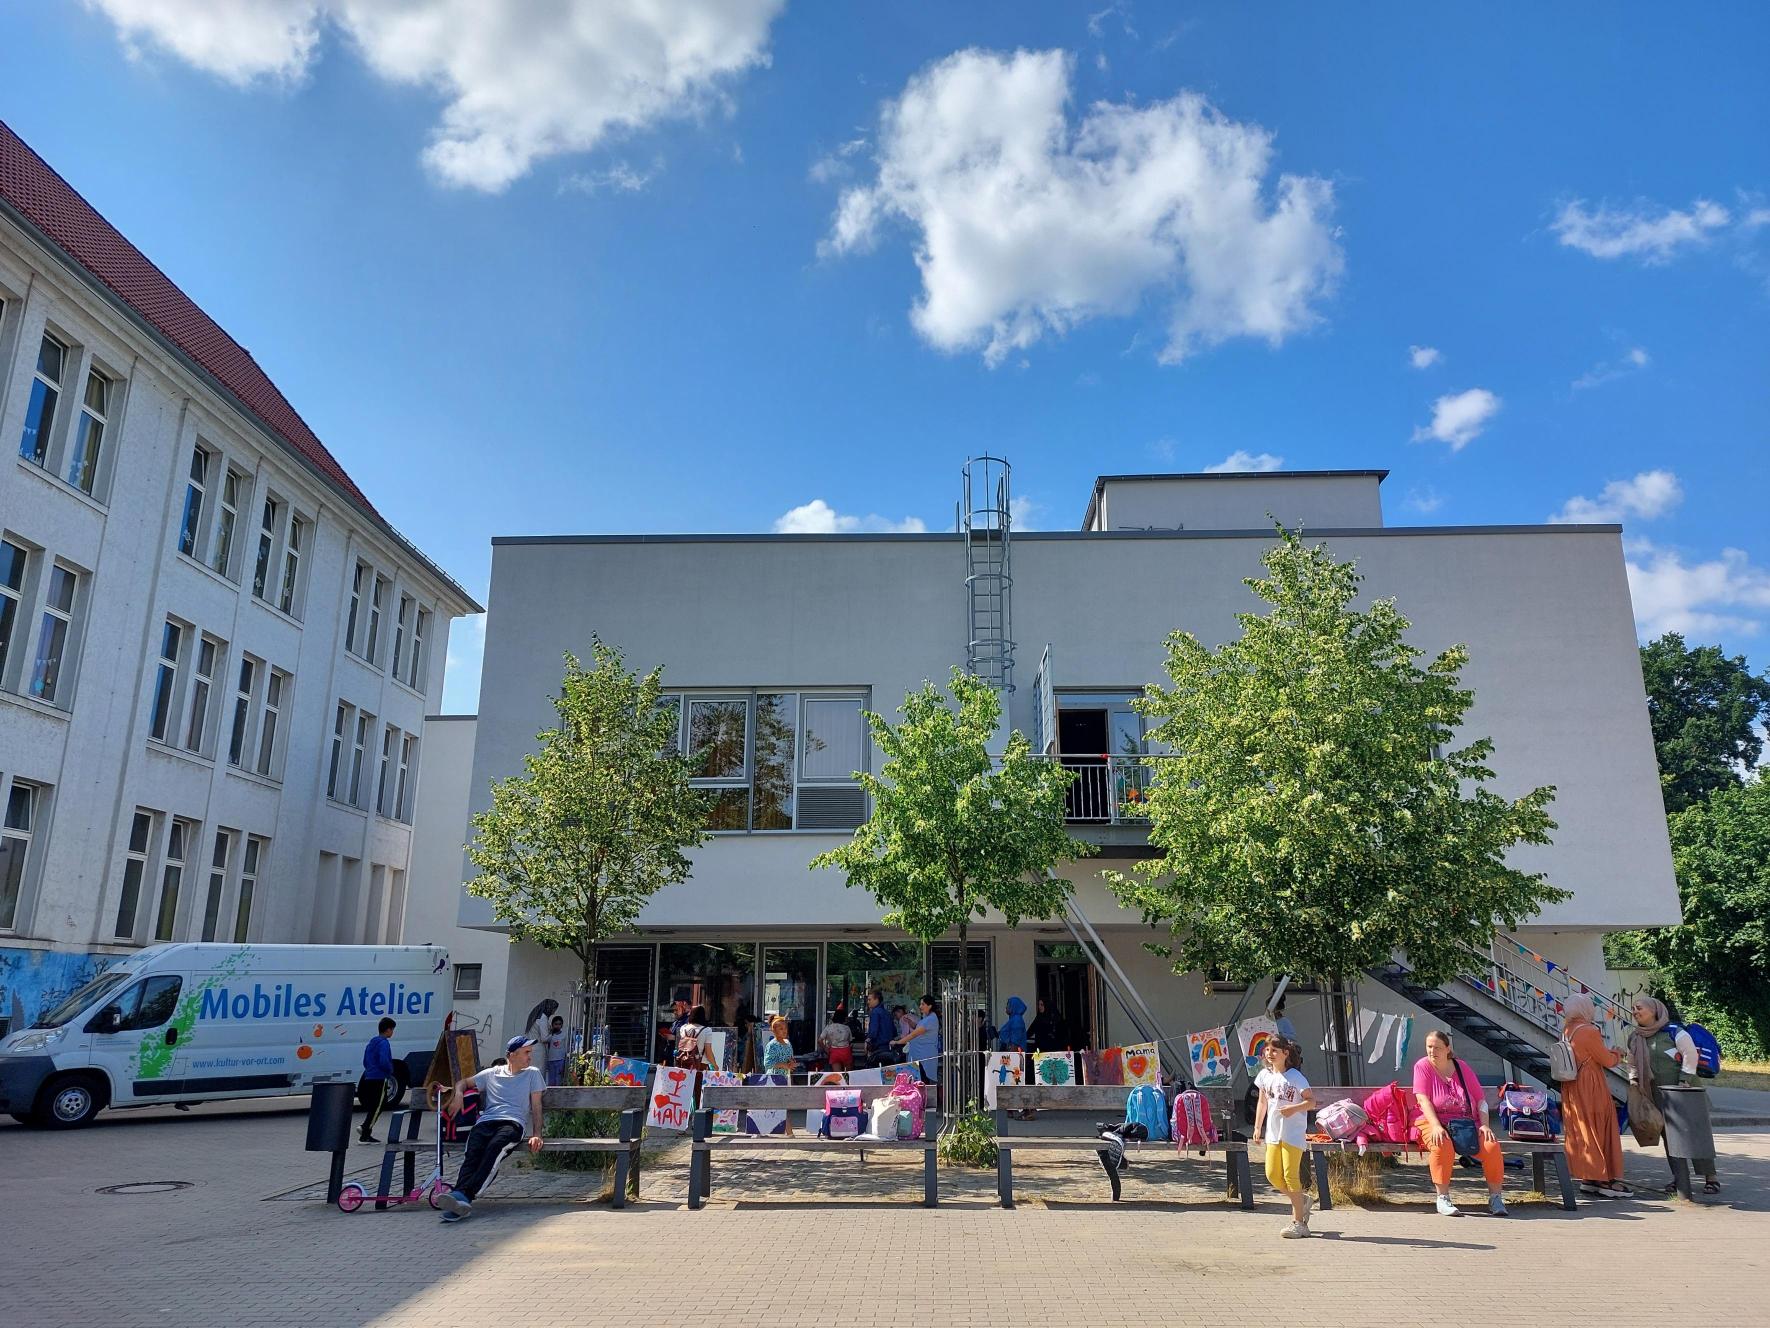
1285,1100
556,1051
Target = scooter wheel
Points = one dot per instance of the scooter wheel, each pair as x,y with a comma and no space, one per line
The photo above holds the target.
437,1191
351,1198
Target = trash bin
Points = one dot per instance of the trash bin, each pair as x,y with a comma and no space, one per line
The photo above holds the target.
1689,1132
328,1117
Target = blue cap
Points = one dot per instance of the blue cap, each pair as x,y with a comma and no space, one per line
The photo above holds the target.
517,1043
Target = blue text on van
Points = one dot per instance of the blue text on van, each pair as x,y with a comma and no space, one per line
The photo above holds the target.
285,1002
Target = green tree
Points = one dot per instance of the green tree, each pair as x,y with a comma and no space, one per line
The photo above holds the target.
1315,817
600,819
1705,710
955,832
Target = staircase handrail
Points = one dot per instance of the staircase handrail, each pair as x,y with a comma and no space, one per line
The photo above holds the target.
1537,988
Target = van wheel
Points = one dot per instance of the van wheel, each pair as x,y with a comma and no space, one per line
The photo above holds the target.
402,1083
69,1102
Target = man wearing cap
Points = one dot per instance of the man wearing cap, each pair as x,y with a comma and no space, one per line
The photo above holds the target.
509,1101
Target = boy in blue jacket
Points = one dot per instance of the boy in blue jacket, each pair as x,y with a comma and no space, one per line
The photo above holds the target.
377,1081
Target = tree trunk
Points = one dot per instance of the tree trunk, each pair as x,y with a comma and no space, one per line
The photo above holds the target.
1342,1063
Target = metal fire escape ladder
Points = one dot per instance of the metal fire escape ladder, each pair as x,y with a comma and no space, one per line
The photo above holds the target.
986,524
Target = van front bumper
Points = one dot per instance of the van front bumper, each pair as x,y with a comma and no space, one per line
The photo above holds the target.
20,1078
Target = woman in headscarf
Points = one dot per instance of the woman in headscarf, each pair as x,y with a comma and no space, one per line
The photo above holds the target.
1588,1114
1660,1058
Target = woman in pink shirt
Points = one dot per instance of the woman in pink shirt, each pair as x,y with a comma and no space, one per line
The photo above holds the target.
1448,1091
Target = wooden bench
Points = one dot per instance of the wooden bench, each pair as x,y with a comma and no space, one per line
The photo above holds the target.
1098,1102
1540,1154
776,1097
630,1102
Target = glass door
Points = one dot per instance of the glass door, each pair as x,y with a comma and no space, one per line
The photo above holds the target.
789,989
717,979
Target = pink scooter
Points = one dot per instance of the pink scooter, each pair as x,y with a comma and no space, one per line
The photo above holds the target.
354,1195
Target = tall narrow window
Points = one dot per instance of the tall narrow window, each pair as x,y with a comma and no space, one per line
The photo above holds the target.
233,488
408,767
202,681
89,433
217,883
402,629
358,580
292,564
340,725
372,648
420,627
267,542
384,781
135,863
248,887
33,443
160,719
236,738
365,725
12,580
190,525
15,847
171,880
267,723
53,633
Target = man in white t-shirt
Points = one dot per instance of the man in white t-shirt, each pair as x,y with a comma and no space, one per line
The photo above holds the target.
509,1101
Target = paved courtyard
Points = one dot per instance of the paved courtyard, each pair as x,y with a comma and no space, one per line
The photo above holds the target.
784,1244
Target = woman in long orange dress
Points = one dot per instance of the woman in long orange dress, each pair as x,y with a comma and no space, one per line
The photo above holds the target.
1588,1114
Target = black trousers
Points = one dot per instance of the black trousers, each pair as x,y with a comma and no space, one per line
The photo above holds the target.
373,1093
485,1145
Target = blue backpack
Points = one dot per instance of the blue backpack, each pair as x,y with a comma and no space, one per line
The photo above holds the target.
1708,1049
1147,1107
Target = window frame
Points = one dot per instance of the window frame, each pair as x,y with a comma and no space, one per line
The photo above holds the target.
269,764
225,548
36,798
185,831
383,778
167,685
252,858
401,634
196,497
362,743
216,896
142,858
245,694
461,993
199,705
294,561
415,679
83,473
405,798
343,722
59,692
42,453
14,597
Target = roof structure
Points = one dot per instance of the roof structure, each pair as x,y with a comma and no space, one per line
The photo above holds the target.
34,195
1101,481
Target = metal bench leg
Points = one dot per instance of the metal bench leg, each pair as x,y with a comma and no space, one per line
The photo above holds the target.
930,1176
623,1162
1324,1192
1539,1172
638,1148
1244,1178
1566,1178
699,1161
1005,1175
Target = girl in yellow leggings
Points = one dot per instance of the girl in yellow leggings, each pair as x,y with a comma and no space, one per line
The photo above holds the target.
1285,1101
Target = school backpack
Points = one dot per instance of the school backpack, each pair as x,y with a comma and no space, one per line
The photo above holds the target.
1708,1048
1145,1106
908,1094
843,1116
1394,1116
456,1125
1563,1069
1192,1126
1526,1114
1342,1119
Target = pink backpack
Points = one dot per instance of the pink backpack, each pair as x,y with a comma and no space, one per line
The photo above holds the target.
1192,1126
1394,1114
1342,1119
909,1101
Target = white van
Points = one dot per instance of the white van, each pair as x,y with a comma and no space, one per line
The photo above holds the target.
202,1022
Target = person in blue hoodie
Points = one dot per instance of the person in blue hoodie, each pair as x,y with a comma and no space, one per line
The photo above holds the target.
879,1028
1013,1034
377,1082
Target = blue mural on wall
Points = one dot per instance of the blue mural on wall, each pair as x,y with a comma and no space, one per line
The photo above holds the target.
31,981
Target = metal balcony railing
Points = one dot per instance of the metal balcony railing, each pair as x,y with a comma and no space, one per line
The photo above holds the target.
1108,790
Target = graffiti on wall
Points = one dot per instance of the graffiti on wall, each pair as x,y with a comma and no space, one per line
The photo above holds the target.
31,981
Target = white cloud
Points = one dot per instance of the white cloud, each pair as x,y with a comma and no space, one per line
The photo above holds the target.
1029,223
1651,493
1727,594
1239,460
519,82
619,178
837,165
1423,357
818,518
467,648
1023,513
1635,360
1645,230
1424,501
1458,418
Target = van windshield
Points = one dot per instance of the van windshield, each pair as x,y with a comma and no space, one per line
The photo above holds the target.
102,985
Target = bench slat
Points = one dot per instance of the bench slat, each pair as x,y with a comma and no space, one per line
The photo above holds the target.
1079,1143
805,1142
600,1097
588,1145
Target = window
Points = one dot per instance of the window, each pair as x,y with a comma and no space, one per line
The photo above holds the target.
365,727
16,827
358,579
33,443
467,980
249,866
248,681
292,564
148,1004
267,722
340,726
384,781
233,489
224,842
408,769
776,724
372,648
160,718
717,737
135,865
415,669
190,525
172,879
402,628
209,653
52,635
89,433
12,581
267,540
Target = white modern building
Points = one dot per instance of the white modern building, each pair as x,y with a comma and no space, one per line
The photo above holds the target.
216,656
776,643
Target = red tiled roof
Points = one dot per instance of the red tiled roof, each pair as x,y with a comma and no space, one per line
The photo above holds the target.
56,209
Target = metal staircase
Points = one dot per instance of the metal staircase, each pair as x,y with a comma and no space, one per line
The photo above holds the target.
1509,1000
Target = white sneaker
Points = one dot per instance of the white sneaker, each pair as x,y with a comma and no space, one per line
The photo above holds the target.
1497,1206
1446,1208
1296,1231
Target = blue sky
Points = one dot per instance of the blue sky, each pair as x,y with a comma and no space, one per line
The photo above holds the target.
652,265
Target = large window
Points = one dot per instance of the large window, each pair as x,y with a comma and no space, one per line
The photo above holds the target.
336,769
244,689
402,631
292,548
89,433
190,523
275,688
853,968
135,871
17,825
178,842
234,489
268,520
54,636
384,779
250,866
33,443
365,730
775,760
12,584
719,978
208,664
162,721
218,861
377,598
415,665
408,775
789,989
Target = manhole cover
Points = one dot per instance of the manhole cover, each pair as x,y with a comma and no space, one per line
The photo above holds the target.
147,1187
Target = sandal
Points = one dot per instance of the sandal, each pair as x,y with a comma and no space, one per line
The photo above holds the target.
1711,1187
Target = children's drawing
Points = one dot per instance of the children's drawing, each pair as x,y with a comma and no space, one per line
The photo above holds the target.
873,1075
1104,1067
672,1099
1002,1067
1208,1051
1254,1034
627,1072
728,1121
1054,1069
1143,1065
765,1122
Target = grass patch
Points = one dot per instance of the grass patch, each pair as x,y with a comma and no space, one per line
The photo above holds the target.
1744,1074
1359,1180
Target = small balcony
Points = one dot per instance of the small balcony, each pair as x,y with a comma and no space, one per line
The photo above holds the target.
1105,799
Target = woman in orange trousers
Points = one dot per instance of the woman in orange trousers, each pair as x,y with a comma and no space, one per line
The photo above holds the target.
1588,1113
